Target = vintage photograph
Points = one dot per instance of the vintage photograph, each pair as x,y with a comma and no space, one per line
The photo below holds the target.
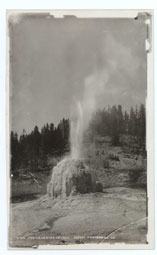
77,130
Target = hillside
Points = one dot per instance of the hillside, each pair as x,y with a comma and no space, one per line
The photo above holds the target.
117,213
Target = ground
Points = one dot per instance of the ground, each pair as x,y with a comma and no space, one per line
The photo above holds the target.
118,214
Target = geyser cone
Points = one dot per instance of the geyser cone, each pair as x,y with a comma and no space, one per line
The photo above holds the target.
69,177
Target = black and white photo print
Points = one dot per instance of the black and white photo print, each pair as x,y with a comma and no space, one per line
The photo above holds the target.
78,110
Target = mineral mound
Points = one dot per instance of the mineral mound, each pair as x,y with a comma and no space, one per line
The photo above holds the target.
69,177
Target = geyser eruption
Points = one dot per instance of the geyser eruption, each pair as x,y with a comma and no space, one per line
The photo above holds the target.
72,175
76,131
83,109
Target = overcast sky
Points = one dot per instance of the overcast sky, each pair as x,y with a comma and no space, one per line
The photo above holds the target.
50,59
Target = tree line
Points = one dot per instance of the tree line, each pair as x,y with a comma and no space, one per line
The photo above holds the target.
31,150
113,122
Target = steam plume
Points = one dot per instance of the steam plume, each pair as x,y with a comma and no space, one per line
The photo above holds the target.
94,87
